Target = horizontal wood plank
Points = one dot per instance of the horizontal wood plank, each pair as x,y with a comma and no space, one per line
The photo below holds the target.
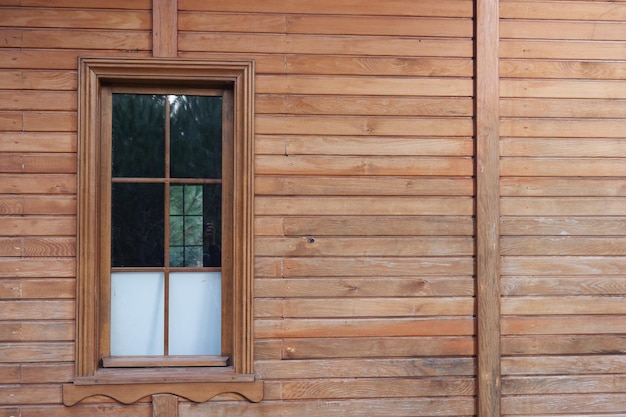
453,8
563,206
362,327
37,288
366,287
76,19
563,265
564,325
519,286
366,368
31,331
552,344
35,352
564,226
310,246
359,347
360,145
567,245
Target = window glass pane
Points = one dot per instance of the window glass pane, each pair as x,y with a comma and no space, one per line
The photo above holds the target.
137,224
138,130
195,313
137,318
195,225
196,136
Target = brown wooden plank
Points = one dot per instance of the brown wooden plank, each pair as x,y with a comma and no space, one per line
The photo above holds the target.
377,388
164,28
563,344
518,68
367,246
362,165
579,384
582,148
563,265
20,205
561,305
360,206
75,39
363,186
454,8
37,268
357,85
562,108
37,309
10,374
30,352
563,206
562,187
30,395
106,408
457,406
460,326
366,287
232,22
542,128
38,226
37,142
379,266
379,65
487,208
573,404
575,10
37,288
96,4
38,163
37,184
367,368
305,44
589,30
570,89
359,145
30,331
45,81
570,225
164,405
564,365
560,50
516,286
564,325
573,167
47,247
50,122
52,59
82,18
11,121
351,105
336,125
568,245
442,225
359,347
375,307
46,373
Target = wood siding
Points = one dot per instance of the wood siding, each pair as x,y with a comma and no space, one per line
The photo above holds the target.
563,206
365,201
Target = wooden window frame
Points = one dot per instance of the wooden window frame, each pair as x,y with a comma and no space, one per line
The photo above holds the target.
196,383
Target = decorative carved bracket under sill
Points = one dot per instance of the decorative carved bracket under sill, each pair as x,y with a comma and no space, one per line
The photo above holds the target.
192,391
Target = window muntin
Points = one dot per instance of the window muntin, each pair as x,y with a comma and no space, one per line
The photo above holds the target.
166,282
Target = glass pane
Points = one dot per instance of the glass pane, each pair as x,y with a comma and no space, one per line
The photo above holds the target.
137,314
138,135
195,313
196,136
137,225
212,213
195,225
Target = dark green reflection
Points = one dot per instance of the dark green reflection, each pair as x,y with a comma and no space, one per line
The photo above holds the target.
138,130
195,225
137,215
196,136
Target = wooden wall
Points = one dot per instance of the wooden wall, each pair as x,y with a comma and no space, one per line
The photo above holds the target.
365,195
563,204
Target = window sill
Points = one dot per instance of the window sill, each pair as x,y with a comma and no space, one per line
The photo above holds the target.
195,384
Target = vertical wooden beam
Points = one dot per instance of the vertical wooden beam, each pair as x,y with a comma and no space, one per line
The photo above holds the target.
487,207
164,405
164,28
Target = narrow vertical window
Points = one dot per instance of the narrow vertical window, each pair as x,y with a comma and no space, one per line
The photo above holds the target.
167,218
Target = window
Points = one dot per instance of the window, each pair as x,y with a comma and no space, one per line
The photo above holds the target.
164,279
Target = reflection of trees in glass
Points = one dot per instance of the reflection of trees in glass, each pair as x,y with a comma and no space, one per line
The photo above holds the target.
138,142
138,130
196,136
